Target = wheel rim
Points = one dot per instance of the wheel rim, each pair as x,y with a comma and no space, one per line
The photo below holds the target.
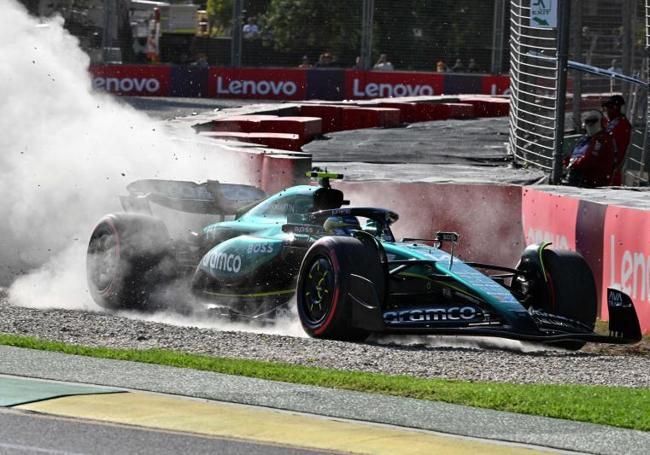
103,260
318,290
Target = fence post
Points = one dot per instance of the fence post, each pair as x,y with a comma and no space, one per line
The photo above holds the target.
498,28
107,32
367,20
235,49
576,31
646,133
564,13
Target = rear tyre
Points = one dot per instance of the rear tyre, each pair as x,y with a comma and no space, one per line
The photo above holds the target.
569,291
128,256
324,305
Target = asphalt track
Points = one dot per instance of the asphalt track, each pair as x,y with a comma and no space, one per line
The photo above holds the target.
248,429
26,432
410,413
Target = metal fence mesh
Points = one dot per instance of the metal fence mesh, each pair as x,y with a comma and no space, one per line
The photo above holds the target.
533,88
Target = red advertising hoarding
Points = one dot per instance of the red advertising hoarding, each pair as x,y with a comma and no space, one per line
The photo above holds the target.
132,80
254,83
496,85
549,218
377,84
626,259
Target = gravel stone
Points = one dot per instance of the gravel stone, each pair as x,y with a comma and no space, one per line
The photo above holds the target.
427,357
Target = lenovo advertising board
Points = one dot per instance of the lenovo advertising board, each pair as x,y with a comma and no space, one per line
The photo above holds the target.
254,83
626,258
495,85
132,80
549,218
376,84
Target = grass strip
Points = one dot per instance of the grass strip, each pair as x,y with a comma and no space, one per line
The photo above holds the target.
617,406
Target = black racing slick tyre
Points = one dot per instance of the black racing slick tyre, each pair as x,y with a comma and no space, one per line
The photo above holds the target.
567,290
573,290
128,256
322,294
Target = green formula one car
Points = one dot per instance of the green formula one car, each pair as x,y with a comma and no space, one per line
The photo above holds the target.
349,275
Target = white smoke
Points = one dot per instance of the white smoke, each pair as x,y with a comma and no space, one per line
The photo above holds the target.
66,154
288,324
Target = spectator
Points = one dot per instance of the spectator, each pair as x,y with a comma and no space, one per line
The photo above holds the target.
140,49
358,64
441,67
304,64
383,64
201,61
458,66
590,162
326,60
472,67
152,48
250,29
618,127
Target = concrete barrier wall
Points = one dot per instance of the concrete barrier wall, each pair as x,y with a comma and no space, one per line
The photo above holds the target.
488,217
614,240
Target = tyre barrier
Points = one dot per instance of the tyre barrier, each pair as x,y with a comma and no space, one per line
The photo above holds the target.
330,116
279,129
280,141
488,107
357,118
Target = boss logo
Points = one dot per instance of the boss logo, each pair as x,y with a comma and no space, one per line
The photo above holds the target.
255,248
423,315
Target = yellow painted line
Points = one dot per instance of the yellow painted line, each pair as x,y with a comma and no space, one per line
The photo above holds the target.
263,425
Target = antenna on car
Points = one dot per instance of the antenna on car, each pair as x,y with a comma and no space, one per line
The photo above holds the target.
451,237
323,177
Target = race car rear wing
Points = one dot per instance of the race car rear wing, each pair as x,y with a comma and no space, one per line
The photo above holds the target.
210,198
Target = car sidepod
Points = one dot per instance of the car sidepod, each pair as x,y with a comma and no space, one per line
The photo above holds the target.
248,267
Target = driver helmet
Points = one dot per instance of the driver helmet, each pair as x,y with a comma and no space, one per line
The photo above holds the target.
341,225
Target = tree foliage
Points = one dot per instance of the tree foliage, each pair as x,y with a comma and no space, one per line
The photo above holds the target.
307,25
219,14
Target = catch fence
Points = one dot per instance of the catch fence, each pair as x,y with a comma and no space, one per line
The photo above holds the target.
606,56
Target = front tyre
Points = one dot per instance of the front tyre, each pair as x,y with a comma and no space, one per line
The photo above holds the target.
322,294
566,288
573,290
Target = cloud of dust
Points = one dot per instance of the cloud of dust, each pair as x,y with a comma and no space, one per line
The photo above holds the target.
67,153
288,324
460,342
